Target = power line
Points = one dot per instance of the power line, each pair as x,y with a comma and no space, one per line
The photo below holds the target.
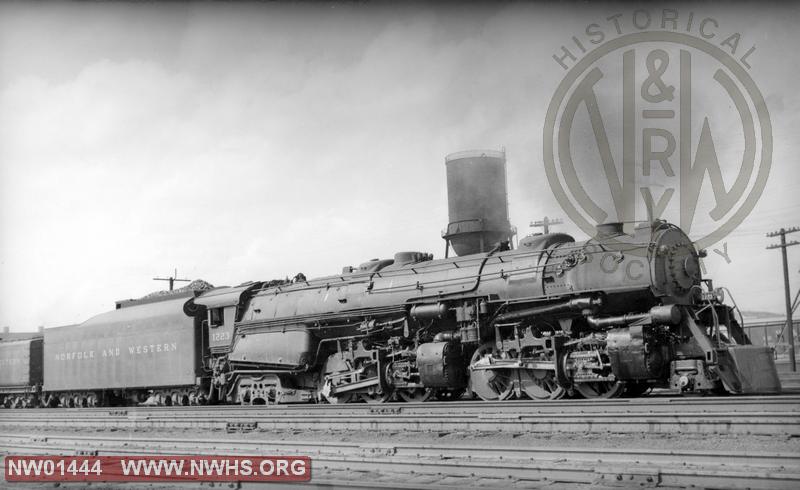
171,279
783,246
546,223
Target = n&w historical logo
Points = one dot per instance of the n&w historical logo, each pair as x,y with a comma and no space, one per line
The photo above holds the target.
658,117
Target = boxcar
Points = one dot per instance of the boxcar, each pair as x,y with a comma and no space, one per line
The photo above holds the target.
142,345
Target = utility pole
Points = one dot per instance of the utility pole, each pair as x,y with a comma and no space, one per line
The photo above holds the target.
789,324
545,223
171,279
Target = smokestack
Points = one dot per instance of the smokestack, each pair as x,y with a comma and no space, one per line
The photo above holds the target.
477,201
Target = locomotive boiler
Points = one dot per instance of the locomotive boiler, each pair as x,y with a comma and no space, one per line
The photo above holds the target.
618,313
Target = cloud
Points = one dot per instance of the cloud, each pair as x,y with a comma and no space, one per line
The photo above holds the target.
251,142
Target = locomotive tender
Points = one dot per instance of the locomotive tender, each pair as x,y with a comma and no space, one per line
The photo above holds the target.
20,369
622,312
142,347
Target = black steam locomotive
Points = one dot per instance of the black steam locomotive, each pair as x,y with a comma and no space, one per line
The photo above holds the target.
615,313
622,312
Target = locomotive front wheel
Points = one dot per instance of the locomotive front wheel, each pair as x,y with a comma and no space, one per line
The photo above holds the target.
489,384
540,385
637,389
600,389
375,397
444,395
415,394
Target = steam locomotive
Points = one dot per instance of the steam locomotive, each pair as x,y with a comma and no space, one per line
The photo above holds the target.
620,313
614,313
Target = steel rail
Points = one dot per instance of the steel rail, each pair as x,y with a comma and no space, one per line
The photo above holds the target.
644,467
678,456
756,415
774,423
649,404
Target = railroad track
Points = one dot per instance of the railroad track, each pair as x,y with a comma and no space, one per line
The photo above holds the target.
450,465
790,381
776,415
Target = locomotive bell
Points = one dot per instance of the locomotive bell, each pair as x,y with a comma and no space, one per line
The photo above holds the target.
609,229
477,201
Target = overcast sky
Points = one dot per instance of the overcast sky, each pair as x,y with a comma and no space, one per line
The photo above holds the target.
251,142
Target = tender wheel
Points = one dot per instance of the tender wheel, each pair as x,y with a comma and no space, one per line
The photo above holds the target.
600,389
415,394
489,384
540,385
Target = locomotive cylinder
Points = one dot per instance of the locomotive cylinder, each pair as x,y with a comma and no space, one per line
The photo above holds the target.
477,201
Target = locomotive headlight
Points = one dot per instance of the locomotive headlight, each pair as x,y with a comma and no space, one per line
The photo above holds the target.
691,267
